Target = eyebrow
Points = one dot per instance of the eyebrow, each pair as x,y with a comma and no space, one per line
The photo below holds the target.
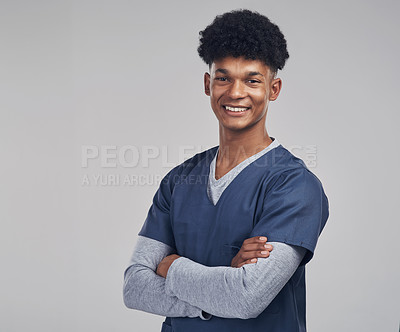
254,73
226,71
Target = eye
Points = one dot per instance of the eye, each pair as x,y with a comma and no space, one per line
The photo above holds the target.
254,81
222,79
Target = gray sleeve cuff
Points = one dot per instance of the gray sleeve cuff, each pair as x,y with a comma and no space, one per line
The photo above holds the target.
205,315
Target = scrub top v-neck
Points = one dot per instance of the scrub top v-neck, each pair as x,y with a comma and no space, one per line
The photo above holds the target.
274,196
215,187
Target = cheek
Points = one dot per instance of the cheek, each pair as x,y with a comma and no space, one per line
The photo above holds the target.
215,94
218,88
261,97
259,101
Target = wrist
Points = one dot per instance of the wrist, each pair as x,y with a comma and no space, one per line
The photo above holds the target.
171,266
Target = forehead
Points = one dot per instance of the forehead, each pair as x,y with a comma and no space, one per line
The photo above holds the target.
239,66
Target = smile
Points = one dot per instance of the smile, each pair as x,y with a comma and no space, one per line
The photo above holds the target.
236,109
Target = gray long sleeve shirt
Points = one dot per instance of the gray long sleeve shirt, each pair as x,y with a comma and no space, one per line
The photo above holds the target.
191,287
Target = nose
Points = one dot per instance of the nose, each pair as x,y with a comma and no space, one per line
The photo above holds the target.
237,90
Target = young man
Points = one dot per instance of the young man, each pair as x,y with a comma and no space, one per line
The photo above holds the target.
230,230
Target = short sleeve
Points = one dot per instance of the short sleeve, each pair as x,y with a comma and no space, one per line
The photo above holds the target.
157,225
295,211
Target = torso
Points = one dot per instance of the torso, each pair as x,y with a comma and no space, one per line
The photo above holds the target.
212,235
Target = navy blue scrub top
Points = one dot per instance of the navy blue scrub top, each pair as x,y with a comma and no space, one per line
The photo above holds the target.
275,196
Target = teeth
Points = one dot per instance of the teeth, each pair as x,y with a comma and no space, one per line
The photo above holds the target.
236,109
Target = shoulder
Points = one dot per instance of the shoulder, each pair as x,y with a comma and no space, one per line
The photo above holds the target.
287,169
282,160
191,165
294,185
277,161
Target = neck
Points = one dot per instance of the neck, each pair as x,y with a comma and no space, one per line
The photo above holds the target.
236,146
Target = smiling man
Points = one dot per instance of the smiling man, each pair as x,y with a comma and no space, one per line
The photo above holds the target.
226,240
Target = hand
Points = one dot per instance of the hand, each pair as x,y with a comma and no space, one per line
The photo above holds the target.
251,249
163,266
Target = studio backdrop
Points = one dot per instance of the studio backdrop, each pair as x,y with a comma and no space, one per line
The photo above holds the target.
100,99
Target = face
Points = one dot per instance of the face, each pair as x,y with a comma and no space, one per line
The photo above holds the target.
240,90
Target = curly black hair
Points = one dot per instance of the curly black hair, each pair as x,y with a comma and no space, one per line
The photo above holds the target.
244,33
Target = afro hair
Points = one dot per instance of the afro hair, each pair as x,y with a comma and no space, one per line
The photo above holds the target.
244,33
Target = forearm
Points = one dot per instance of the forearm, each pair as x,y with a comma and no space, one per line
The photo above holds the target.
145,290
234,292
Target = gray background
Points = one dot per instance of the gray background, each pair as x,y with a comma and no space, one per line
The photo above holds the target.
118,73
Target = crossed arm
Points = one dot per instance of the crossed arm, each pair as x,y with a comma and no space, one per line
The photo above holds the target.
190,288
145,290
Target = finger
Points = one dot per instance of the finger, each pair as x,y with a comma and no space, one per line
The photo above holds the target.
249,261
253,254
257,246
256,239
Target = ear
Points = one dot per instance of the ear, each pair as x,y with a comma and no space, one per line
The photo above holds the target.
276,86
207,84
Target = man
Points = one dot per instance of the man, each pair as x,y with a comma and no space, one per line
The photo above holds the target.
230,230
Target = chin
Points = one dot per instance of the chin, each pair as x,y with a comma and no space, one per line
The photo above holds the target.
235,127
